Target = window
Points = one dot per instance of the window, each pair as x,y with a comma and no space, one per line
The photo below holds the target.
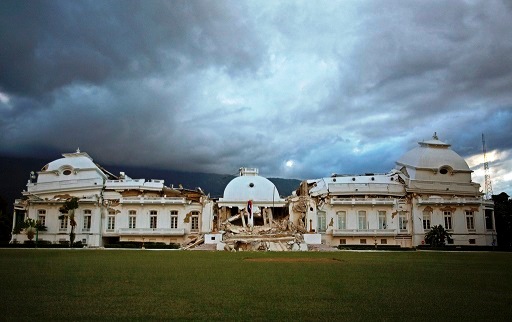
41,217
63,223
194,224
382,220
19,217
426,219
343,241
470,220
445,169
87,220
152,219
132,219
111,223
342,219
472,241
321,224
402,221
447,220
384,241
174,219
362,241
361,220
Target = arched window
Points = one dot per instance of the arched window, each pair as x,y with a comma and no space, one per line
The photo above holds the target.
427,218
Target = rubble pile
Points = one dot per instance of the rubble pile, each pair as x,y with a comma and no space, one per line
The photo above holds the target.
280,236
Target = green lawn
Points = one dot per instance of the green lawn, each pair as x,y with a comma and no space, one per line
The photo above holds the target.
45,284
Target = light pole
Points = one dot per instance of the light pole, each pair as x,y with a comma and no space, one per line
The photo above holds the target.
37,229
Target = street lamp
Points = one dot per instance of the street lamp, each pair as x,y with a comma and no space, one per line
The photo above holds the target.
37,229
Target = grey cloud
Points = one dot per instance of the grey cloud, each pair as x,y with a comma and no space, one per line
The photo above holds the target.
343,87
55,43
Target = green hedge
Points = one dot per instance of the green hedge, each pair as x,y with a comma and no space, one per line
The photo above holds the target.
79,244
464,248
148,245
44,244
372,247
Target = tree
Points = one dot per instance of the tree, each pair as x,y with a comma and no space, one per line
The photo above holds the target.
5,221
437,236
503,219
68,210
30,226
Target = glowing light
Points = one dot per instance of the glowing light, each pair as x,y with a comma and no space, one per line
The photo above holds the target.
290,163
4,98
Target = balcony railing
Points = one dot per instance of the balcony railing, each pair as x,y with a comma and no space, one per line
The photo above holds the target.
64,184
388,188
152,231
134,183
364,232
152,200
452,201
363,201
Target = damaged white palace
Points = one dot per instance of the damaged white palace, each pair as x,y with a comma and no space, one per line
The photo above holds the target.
430,185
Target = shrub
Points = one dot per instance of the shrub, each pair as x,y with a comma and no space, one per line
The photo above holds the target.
147,245
437,236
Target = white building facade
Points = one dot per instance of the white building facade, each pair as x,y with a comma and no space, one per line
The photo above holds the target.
430,185
110,209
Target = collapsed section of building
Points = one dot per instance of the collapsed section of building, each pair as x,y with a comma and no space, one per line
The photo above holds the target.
110,208
430,185
253,216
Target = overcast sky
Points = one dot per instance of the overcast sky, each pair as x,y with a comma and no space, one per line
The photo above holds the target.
300,89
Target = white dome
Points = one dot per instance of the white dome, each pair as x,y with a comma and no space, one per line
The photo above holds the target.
74,166
72,160
254,188
433,154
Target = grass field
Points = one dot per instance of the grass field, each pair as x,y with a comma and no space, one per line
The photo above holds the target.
46,284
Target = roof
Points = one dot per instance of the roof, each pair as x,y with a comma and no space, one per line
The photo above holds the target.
385,184
433,154
77,168
78,160
249,186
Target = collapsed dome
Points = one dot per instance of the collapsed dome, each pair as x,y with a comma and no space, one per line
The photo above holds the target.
250,186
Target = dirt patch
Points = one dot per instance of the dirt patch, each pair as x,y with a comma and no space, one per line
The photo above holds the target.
294,260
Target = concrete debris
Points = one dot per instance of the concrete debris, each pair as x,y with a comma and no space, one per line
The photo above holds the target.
263,228
195,242
281,235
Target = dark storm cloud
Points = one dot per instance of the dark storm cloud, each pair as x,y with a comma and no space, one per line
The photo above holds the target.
417,64
95,66
298,89
50,44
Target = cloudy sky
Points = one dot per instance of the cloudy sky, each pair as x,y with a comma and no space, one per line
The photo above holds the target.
300,89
